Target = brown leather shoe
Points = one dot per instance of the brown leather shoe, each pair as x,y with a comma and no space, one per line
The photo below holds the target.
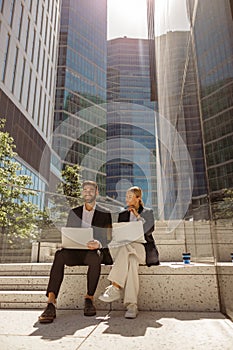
49,314
89,308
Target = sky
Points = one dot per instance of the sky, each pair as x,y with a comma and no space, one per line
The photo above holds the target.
129,17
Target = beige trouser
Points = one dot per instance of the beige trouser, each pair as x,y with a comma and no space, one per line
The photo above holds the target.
125,269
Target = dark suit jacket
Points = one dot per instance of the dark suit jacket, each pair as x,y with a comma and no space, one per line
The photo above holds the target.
152,254
101,222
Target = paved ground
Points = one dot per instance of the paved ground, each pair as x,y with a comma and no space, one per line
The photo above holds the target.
19,330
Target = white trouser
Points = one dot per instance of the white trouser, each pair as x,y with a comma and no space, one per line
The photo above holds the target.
125,269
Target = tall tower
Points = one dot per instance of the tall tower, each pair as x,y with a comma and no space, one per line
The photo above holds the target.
131,157
80,113
194,68
28,59
212,28
178,105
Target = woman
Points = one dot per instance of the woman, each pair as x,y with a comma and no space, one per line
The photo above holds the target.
124,272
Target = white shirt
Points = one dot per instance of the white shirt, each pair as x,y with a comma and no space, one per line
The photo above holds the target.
132,217
87,216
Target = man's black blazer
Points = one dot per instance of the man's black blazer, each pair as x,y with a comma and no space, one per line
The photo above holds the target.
101,222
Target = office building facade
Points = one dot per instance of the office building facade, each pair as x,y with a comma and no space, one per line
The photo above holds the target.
212,28
80,111
194,70
131,156
28,59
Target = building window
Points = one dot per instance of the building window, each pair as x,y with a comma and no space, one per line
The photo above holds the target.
22,80
36,13
49,47
47,73
38,57
14,70
53,50
50,84
42,20
34,100
12,10
20,22
48,119
55,22
30,5
27,35
33,45
46,30
5,58
42,68
44,116
29,88
39,106
52,14
1,5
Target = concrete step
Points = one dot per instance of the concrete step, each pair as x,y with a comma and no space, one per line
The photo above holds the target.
25,269
22,299
23,283
22,257
170,286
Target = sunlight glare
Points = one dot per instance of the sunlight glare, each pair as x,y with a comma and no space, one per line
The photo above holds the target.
127,18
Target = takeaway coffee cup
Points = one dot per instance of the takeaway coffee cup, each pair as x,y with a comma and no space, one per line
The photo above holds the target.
186,258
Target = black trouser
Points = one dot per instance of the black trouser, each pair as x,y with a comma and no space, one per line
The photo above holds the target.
73,257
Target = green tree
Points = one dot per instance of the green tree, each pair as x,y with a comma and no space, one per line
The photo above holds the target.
71,185
222,205
17,214
68,195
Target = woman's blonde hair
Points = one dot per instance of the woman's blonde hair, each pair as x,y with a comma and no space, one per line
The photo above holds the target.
138,193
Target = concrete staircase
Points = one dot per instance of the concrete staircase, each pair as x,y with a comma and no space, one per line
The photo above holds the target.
201,286
168,287
23,285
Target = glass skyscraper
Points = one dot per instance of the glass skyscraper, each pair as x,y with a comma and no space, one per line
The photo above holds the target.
194,68
80,113
131,156
212,28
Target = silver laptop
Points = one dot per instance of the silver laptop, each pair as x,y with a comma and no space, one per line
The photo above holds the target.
127,232
76,237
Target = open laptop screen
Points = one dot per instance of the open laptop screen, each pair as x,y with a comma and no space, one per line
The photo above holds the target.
127,232
76,237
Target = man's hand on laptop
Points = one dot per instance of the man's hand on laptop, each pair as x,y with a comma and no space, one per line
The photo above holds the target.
94,244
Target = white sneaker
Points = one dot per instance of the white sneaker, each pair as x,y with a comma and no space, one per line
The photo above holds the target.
132,311
111,293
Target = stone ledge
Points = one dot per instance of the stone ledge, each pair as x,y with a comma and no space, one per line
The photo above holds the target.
170,286
25,269
22,299
42,269
165,287
169,268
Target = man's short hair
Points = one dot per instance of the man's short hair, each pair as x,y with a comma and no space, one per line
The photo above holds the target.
91,183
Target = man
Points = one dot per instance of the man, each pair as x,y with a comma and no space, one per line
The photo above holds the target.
88,215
